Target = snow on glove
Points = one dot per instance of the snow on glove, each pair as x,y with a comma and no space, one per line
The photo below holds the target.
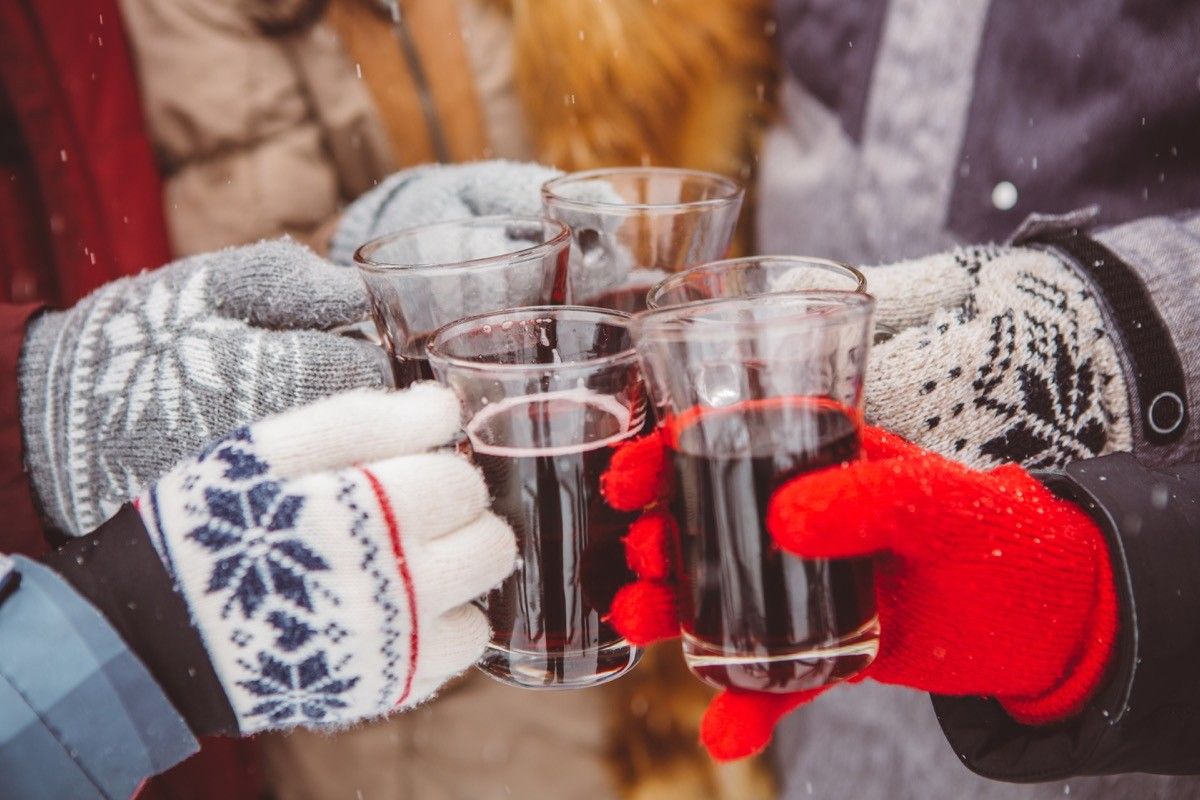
328,561
146,370
1002,355
439,193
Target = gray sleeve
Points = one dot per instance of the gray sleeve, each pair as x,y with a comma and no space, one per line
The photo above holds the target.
1164,252
80,716
1145,276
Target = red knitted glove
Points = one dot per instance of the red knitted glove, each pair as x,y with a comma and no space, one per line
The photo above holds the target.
638,478
986,584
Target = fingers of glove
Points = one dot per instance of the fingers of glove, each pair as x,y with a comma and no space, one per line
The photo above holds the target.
648,545
739,724
449,643
908,293
430,495
503,187
431,194
864,508
460,566
282,284
637,475
365,426
645,612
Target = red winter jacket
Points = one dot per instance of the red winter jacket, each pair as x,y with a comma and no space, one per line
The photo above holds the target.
79,192
81,205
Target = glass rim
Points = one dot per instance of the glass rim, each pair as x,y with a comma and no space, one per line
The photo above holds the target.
744,263
733,191
674,320
561,238
433,348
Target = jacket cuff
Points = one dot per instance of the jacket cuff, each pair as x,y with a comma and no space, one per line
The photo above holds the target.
80,715
1145,276
117,569
22,523
1143,712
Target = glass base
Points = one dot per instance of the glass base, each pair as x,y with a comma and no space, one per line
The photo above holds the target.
539,670
782,672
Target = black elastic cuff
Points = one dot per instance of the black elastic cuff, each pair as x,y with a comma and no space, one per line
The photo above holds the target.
1159,385
117,569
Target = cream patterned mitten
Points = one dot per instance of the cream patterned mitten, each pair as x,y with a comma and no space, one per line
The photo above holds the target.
145,370
1001,355
328,560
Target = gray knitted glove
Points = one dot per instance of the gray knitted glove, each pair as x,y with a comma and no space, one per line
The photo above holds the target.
1001,355
147,369
439,193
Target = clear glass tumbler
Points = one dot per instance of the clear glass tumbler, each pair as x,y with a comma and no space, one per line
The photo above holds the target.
422,278
745,277
758,391
632,226
548,393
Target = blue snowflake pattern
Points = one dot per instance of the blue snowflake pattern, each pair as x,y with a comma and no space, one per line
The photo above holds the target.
250,534
305,691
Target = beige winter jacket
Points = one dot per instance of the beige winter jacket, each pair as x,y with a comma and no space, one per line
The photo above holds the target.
267,115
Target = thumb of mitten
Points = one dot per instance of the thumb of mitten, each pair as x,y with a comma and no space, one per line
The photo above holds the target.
281,284
908,293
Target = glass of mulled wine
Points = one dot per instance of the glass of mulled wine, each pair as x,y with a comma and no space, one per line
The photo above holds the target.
754,275
757,391
422,278
549,392
632,226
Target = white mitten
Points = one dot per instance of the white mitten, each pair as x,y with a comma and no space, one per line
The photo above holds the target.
329,560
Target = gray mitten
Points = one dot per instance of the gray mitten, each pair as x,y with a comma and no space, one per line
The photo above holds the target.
1002,355
145,370
439,193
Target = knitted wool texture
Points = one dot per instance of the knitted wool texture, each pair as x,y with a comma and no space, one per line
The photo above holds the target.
1001,355
147,369
328,561
972,568
437,193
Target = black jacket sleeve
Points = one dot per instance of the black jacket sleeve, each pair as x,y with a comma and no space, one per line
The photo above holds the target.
1146,715
117,569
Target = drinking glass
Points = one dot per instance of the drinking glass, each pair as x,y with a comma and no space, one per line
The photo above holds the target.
757,391
632,226
745,277
548,393
422,278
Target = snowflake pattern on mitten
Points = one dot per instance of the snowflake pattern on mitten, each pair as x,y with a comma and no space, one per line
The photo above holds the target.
303,625
144,371
1020,368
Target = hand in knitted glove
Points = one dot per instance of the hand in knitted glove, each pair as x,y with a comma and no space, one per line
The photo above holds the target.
439,193
145,370
986,584
328,561
1002,355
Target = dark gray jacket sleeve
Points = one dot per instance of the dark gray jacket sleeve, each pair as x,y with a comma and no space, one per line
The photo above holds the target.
1146,715
80,716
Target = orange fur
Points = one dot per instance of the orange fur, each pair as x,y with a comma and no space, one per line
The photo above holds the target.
674,82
